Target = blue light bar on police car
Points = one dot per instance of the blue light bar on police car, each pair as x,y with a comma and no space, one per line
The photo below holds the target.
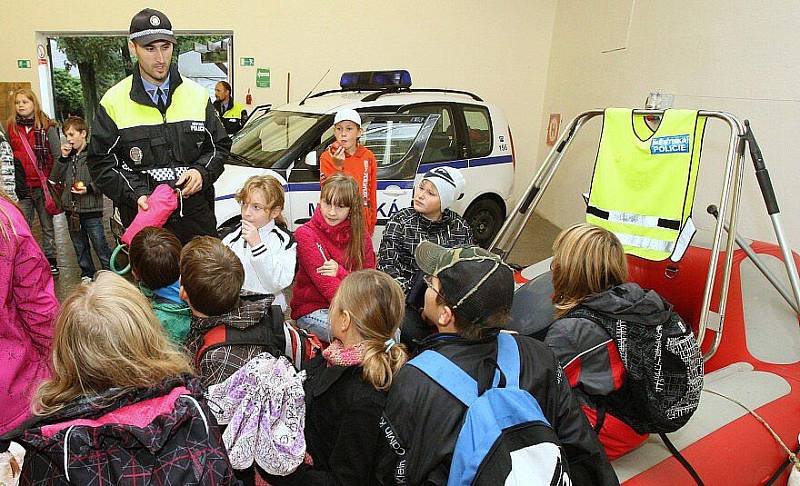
399,78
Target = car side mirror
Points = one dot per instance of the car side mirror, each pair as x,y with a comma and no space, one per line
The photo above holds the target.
311,159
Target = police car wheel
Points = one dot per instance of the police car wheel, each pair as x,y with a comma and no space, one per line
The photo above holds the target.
485,217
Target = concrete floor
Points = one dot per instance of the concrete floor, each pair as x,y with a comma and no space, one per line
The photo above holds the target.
535,244
70,273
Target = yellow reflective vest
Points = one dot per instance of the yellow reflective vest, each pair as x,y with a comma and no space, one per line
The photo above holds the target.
235,111
644,180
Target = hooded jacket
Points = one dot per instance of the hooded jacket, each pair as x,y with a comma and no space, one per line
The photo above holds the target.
163,435
591,360
175,316
134,148
421,421
28,309
313,291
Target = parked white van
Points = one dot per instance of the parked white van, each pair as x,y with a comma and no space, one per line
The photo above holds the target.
409,130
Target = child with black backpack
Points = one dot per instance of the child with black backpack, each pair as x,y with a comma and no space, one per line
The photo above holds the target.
346,387
478,405
122,405
227,331
613,340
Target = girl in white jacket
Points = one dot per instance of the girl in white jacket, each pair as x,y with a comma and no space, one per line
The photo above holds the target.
262,242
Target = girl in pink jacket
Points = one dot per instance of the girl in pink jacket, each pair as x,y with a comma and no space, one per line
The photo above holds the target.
28,308
330,246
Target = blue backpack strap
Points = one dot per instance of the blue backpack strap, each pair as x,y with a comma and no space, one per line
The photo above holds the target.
448,375
507,360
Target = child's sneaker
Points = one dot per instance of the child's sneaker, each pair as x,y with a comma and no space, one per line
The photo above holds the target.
54,269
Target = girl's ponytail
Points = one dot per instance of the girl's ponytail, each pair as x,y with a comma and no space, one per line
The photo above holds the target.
382,361
376,304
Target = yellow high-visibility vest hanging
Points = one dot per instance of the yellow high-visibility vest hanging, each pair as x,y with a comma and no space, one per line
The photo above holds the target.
235,111
644,181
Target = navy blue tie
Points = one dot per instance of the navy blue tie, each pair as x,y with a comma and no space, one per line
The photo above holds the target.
162,106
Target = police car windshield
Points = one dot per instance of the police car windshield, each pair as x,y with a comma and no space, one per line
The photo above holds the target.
264,141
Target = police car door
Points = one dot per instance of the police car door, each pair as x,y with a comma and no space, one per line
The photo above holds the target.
398,142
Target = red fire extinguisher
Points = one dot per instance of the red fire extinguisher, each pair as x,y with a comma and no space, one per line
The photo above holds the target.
249,98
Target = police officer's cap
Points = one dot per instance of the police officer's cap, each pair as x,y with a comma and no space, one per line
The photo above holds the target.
149,26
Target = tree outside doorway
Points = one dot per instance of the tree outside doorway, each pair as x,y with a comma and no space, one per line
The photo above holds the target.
100,62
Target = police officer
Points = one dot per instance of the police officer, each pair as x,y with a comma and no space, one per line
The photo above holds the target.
155,127
232,113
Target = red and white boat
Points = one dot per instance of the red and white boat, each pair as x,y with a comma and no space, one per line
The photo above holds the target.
746,320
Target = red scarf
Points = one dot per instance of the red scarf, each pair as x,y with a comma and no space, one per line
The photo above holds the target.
40,146
338,354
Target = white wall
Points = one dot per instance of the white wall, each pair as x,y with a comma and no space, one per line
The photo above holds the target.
736,56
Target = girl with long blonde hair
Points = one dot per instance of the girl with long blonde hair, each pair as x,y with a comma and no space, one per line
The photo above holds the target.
346,388
107,338
28,307
590,274
35,142
330,246
587,260
121,394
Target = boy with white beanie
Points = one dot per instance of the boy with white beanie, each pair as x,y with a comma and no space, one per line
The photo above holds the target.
428,219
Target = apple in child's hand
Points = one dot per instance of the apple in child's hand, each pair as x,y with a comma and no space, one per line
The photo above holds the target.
78,186
335,146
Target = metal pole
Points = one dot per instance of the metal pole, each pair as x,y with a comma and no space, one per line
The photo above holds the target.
712,210
788,257
733,149
504,242
726,280
771,202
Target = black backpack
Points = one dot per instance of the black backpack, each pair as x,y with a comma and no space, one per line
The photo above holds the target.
664,369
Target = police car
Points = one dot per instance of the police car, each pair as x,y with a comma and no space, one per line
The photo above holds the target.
409,130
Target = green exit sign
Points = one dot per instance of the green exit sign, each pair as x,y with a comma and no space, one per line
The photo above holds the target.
262,78
23,63
247,61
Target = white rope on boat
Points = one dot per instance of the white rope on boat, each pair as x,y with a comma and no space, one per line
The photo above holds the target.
792,455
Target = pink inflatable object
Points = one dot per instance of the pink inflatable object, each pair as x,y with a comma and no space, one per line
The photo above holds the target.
161,204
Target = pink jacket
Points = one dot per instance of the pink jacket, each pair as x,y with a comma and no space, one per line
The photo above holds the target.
313,291
28,308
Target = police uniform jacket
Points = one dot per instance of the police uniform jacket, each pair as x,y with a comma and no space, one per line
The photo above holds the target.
134,148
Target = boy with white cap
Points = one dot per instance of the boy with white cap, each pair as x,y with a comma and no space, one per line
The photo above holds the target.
347,155
428,219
